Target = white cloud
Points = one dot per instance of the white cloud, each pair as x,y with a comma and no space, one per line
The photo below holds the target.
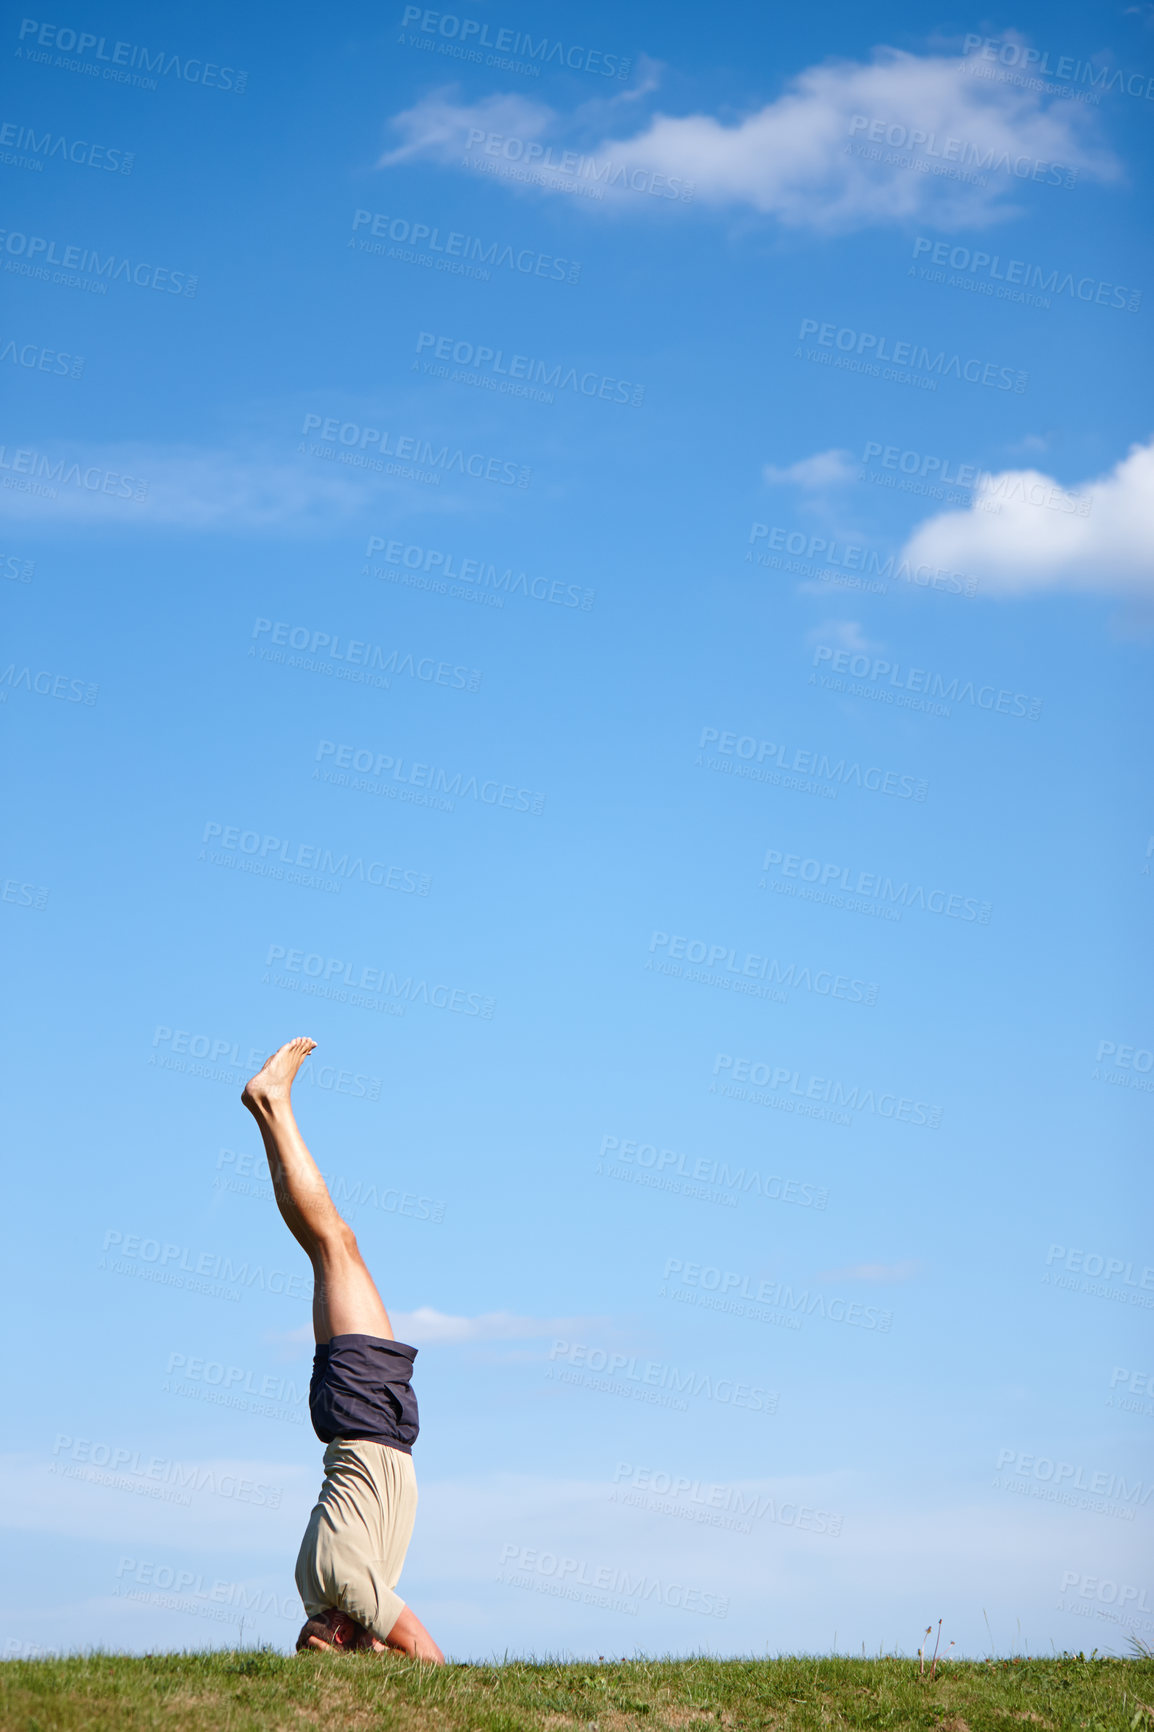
189,488
804,158
845,633
426,1327
824,469
293,1343
791,158
237,489
1030,444
1024,533
437,127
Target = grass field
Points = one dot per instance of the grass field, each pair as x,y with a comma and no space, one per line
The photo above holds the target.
256,1691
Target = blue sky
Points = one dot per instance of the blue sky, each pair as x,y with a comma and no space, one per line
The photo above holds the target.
605,576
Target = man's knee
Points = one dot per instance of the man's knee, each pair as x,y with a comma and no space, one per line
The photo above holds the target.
409,1636
338,1240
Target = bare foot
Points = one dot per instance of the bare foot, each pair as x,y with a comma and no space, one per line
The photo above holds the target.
271,1085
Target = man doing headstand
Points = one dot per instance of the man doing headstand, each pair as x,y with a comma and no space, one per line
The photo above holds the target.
361,1401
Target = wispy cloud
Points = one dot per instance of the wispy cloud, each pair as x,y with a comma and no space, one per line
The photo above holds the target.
847,634
437,127
807,158
236,489
823,470
185,487
426,1327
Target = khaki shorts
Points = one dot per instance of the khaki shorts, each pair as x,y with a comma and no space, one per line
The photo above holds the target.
355,1544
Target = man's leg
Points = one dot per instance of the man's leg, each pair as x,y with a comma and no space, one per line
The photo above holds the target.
409,1636
345,1298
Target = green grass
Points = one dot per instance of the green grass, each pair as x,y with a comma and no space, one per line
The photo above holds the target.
258,1690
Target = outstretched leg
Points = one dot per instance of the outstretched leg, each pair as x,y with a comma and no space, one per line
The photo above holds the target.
345,1298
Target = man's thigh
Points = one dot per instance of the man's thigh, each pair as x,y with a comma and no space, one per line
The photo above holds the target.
345,1297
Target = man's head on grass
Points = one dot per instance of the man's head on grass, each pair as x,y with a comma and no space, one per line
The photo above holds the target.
333,1632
